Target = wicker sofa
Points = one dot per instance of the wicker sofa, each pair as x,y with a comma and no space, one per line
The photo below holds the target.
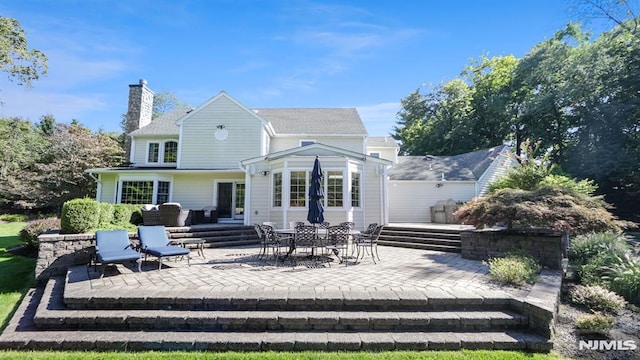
172,214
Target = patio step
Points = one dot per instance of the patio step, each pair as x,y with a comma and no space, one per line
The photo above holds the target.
217,235
425,238
53,314
157,330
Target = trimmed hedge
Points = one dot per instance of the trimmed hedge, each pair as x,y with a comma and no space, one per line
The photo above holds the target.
106,215
79,216
88,215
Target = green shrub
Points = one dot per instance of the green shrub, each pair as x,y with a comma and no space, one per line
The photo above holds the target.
595,322
597,298
29,234
592,254
79,216
105,214
136,215
623,277
513,269
13,217
127,214
584,248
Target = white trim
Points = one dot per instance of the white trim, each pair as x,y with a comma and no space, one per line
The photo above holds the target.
153,179
148,152
179,147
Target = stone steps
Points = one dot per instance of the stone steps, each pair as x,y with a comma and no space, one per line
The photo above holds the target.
53,314
22,334
437,239
218,235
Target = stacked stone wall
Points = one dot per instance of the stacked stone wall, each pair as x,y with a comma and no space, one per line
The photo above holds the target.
547,247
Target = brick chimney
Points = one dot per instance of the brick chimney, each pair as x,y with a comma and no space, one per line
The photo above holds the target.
139,111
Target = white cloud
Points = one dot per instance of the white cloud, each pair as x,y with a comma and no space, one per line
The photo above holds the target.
379,119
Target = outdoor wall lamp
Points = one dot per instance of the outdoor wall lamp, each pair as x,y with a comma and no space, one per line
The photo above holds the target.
264,172
220,126
439,185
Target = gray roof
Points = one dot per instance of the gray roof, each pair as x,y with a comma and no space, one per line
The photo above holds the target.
318,121
314,121
382,141
463,167
163,125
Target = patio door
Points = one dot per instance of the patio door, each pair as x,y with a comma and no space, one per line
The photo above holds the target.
230,200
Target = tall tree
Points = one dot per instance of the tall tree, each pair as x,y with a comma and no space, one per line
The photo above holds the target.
22,64
165,101
21,147
72,150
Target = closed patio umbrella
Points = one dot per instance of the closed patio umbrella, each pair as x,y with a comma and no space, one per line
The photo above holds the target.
316,211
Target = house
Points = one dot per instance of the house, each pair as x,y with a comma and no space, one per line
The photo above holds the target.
416,183
254,165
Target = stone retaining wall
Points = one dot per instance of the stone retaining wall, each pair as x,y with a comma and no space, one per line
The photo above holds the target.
57,252
545,246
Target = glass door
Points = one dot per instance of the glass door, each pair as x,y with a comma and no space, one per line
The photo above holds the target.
231,200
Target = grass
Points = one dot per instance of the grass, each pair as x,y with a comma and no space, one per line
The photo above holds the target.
16,272
16,276
395,355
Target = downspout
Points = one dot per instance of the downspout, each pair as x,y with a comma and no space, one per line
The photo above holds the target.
99,185
247,193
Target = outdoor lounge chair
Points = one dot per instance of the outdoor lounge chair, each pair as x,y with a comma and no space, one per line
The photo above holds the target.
155,242
113,246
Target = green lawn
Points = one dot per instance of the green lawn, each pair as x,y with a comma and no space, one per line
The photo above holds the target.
16,272
16,276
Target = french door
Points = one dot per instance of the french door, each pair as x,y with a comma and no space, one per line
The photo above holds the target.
230,200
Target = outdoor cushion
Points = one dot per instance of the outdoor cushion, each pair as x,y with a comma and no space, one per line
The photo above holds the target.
113,246
155,242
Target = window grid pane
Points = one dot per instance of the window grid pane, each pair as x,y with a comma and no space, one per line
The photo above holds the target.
163,192
298,189
170,152
277,190
355,189
137,192
334,188
154,150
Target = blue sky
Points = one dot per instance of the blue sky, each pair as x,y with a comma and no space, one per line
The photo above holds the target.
363,54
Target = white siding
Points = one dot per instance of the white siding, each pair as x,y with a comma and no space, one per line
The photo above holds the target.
411,201
141,145
108,185
352,143
201,150
386,153
498,168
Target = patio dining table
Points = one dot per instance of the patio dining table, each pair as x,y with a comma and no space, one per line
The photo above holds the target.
322,233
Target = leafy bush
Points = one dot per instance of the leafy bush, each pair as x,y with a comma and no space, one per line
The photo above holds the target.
562,210
623,277
584,248
597,298
29,234
513,269
106,215
79,216
595,322
592,254
13,217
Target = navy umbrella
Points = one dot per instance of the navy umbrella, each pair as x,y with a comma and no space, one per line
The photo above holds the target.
316,211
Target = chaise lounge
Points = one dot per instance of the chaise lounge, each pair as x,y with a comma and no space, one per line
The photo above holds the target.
113,246
155,242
